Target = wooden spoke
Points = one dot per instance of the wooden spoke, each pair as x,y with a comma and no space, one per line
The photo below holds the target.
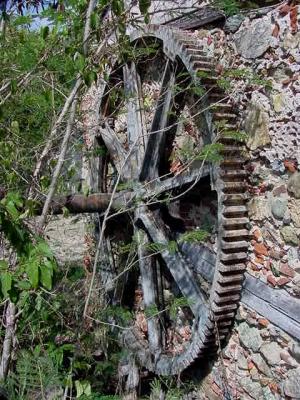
115,148
159,128
136,128
189,177
174,261
149,285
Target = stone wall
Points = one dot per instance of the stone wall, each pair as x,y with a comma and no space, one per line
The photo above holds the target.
260,360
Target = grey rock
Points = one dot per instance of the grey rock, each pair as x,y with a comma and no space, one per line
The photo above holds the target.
249,337
278,207
254,40
233,23
294,185
294,350
294,207
289,235
242,362
261,365
257,126
258,209
291,385
267,394
278,167
293,255
253,389
271,352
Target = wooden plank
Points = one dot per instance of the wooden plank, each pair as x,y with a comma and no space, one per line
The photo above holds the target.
136,126
115,149
196,18
148,278
176,264
276,305
280,308
156,138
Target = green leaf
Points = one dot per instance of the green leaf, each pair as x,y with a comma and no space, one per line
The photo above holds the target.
45,32
144,7
89,77
3,265
79,62
24,285
94,20
117,7
13,86
46,276
44,250
32,271
6,283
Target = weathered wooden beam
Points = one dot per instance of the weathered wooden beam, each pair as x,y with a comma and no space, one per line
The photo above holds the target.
176,264
149,285
158,130
136,125
280,308
197,18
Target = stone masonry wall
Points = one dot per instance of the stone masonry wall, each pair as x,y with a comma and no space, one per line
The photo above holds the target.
260,360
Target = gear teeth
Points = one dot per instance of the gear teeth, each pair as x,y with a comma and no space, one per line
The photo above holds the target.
226,279
234,246
225,290
234,210
235,234
217,308
232,268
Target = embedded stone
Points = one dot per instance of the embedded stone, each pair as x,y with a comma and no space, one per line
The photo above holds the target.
278,207
271,352
242,362
233,23
249,337
267,394
286,357
291,385
294,350
261,365
294,207
278,167
254,40
257,126
278,190
289,235
294,185
277,102
258,209
253,389
291,41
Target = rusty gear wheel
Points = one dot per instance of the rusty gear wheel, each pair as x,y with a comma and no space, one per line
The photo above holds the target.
159,112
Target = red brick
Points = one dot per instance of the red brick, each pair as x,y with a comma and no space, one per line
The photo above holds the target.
272,280
283,281
290,166
260,249
263,322
286,270
257,235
